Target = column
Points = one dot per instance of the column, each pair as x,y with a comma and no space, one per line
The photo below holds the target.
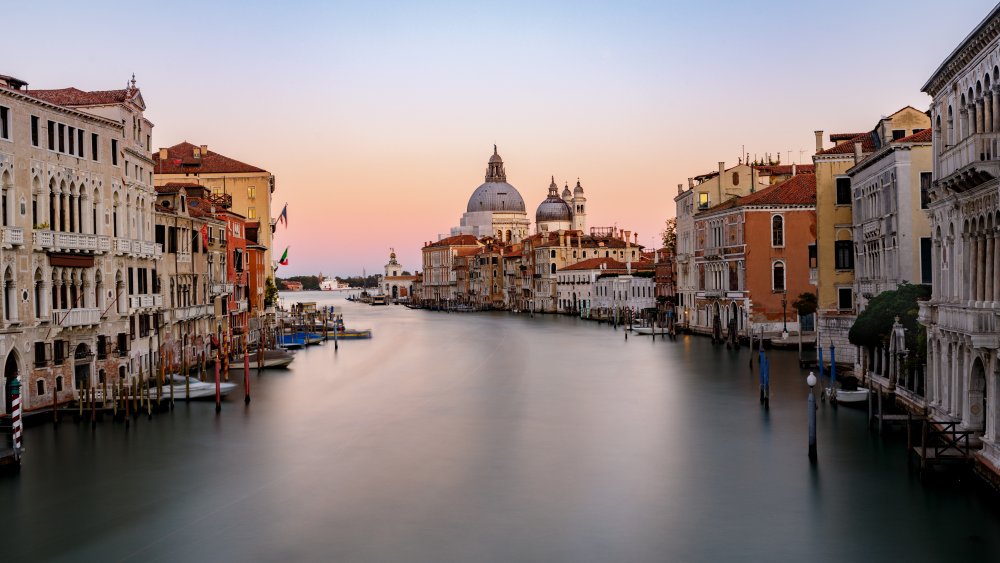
995,98
987,112
980,115
989,274
996,266
967,284
980,258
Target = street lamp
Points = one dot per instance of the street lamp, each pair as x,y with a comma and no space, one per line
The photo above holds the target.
784,315
811,381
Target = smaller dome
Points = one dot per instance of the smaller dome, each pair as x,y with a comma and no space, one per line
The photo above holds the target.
566,193
578,189
553,209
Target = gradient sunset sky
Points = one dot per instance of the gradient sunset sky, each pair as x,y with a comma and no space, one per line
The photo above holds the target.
377,118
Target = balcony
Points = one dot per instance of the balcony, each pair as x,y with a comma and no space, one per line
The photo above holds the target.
136,302
192,312
13,236
221,288
123,246
67,242
813,276
240,307
76,317
970,162
979,324
184,258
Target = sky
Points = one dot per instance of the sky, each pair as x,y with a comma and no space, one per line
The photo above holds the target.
378,118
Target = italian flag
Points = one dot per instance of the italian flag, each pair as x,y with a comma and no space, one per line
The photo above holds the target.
284,258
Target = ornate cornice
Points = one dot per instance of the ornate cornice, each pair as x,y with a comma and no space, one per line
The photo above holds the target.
985,33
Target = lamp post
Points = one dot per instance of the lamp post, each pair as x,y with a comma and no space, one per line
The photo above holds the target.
811,381
784,315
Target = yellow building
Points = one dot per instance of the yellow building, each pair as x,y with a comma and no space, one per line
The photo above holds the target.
249,186
832,256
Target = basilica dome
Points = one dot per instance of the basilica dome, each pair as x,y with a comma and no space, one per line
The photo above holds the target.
496,194
553,208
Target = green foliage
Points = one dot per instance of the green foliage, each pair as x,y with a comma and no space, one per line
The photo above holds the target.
873,327
308,282
270,293
806,304
669,235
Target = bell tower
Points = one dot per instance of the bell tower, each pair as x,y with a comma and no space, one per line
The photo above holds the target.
579,208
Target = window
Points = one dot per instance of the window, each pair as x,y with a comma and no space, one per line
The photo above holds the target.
778,276
40,387
4,123
114,152
93,147
844,255
58,352
736,178
79,143
925,260
52,135
925,189
251,192
34,130
812,256
777,231
39,354
845,298
703,201
59,383
898,134
843,191
251,213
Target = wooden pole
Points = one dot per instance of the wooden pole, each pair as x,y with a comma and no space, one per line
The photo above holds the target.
246,371
218,391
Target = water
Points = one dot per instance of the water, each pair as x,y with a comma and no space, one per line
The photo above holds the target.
490,437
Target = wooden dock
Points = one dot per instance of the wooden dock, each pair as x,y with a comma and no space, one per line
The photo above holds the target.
943,444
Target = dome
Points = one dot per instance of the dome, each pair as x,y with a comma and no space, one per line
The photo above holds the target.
553,209
495,196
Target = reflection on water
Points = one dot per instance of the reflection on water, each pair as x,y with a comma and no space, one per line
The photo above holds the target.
489,437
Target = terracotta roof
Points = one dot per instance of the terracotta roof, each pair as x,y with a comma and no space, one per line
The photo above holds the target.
834,137
867,145
920,137
457,240
785,169
595,264
76,97
797,190
181,160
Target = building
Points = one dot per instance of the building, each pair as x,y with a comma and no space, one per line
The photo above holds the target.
577,283
752,260
963,332
614,294
440,283
188,275
495,207
249,187
396,283
80,296
562,213
835,252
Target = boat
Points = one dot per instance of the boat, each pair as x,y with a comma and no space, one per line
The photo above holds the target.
859,395
378,299
192,389
649,330
352,334
292,341
272,359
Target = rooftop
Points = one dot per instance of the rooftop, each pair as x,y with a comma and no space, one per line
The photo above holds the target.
188,158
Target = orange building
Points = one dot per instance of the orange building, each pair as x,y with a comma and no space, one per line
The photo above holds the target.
752,256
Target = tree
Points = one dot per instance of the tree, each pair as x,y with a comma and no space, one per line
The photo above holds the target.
806,304
669,235
270,293
874,325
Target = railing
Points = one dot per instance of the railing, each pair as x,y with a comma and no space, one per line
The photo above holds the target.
42,239
967,320
974,148
12,236
123,246
241,307
76,317
184,258
221,288
103,244
813,276
145,301
194,311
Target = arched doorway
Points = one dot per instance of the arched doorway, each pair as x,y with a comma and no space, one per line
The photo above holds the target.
10,372
395,291
81,366
977,396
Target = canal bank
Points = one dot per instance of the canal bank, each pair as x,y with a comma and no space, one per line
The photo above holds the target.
491,437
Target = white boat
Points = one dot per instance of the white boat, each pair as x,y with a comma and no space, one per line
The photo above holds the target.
859,395
272,359
194,389
649,330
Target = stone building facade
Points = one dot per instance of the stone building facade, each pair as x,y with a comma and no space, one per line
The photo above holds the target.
963,315
81,302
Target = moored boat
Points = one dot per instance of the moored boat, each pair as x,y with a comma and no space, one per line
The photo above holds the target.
272,359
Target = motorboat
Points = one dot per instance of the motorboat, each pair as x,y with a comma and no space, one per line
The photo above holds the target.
662,330
272,359
185,388
859,395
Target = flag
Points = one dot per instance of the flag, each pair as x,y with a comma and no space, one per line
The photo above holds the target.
283,217
284,258
204,235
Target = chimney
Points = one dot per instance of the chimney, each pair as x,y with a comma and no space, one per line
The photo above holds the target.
163,154
886,130
722,169
819,140
197,153
857,152
636,235
204,150
794,170
627,236
690,183
680,189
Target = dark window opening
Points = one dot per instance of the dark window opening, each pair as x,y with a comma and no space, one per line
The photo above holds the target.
843,191
844,255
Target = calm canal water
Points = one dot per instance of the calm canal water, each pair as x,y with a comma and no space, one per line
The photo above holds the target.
489,437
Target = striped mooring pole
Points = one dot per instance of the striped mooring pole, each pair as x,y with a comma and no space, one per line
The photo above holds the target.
15,389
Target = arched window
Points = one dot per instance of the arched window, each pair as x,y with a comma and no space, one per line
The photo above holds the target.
552,268
777,231
778,276
553,253
736,178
